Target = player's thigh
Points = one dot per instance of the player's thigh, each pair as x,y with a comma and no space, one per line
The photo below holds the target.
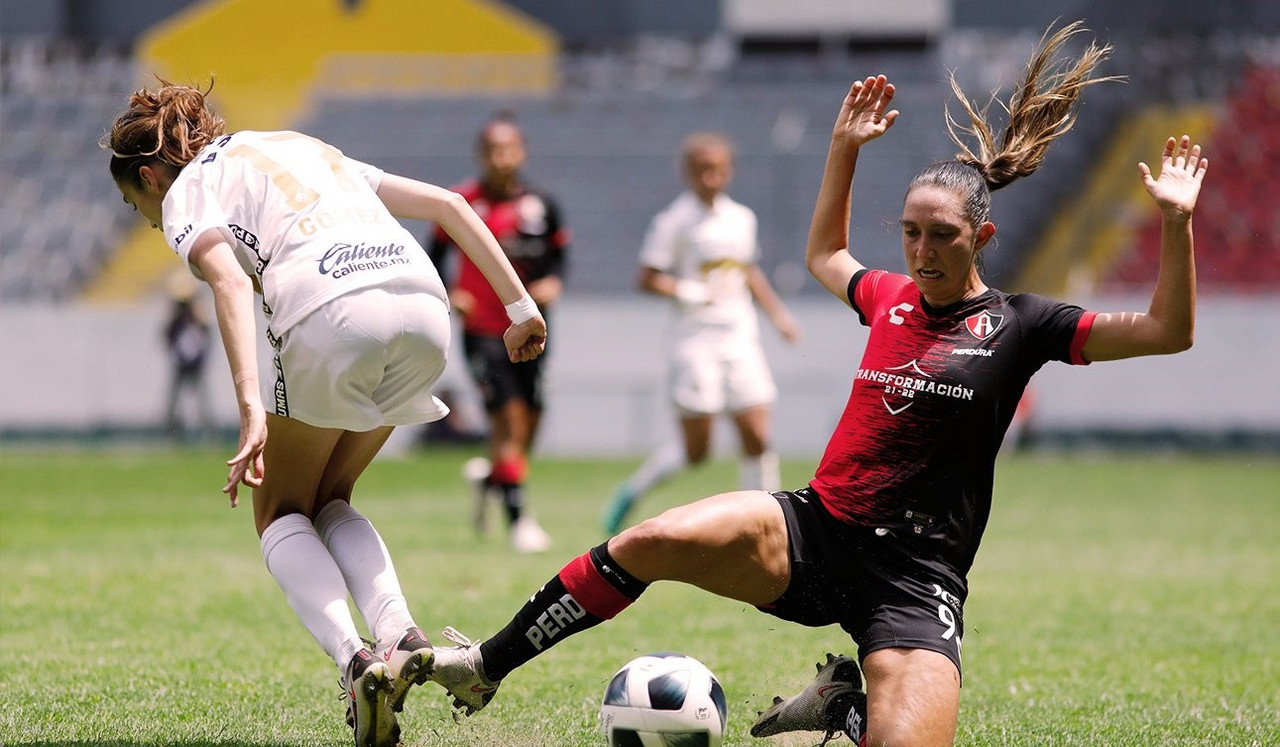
732,544
913,697
294,462
351,455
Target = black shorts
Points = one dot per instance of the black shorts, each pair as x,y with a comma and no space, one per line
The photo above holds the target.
498,379
884,590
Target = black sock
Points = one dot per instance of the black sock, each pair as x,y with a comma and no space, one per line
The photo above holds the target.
590,589
848,713
512,500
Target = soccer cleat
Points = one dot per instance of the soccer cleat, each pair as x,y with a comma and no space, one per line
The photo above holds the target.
476,472
807,710
365,686
409,659
459,670
528,537
623,499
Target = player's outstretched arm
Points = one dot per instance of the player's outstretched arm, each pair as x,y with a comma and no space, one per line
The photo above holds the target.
864,116
410,198
1169,324
233,303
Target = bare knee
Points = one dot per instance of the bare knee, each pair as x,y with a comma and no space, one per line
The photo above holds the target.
913,698
663,535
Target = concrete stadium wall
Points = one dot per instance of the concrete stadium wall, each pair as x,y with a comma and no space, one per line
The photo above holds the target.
82,371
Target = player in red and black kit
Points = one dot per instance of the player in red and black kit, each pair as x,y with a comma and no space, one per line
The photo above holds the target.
881,540
528,226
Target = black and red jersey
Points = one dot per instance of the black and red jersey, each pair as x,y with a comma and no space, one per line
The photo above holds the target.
527,226
914,451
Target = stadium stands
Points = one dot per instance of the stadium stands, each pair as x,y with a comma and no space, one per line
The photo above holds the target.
60,216
605,144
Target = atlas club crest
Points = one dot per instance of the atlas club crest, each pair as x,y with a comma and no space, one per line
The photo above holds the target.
983,324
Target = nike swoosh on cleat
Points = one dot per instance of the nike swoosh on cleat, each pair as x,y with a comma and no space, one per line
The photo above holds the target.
823,690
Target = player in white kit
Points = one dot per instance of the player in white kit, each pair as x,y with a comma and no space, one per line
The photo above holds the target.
702,252
359,322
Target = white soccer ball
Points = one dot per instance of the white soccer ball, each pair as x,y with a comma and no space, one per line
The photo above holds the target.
663,700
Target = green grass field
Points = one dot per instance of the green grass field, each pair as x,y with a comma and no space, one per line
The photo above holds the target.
1132,600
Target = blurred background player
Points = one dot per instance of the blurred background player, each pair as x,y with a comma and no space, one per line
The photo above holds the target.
187,340
701,251
527,224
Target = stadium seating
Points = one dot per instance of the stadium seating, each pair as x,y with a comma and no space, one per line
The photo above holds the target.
605,144
609,153
60,215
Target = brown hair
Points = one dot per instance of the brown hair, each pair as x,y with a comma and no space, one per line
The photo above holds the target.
169,125
1041,108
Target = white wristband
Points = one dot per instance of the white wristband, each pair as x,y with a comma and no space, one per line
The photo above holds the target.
522,310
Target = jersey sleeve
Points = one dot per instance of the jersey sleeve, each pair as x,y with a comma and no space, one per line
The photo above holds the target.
1056,330
190,209
370,173
659,248
870,289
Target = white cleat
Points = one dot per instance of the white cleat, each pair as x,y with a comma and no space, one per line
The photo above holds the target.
409,660
528,537
459,670
366,685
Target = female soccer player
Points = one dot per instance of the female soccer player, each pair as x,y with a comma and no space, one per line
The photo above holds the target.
529,226
701,252
881,540
358,318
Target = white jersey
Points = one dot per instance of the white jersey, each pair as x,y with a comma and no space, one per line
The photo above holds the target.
715,246
301,217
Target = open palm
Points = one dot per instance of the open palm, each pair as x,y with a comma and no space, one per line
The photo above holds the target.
863,115
1177,186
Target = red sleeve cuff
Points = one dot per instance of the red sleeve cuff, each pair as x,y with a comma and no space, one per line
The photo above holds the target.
1083,327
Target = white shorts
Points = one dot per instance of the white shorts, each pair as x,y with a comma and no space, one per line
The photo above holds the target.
363,360
720,374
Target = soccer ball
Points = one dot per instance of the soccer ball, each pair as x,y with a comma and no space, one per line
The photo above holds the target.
663,700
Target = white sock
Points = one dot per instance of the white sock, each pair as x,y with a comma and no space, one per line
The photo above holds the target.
664,463
760,472
312,584
366,567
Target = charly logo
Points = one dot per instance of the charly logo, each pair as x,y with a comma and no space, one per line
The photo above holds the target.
343,259
983,324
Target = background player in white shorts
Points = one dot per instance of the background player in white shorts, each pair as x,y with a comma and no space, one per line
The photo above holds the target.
702,252
359,321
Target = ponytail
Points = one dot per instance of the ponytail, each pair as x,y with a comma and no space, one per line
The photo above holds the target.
169,125
1041,108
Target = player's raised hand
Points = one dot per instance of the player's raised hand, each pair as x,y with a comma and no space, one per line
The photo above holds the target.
865,113
1177,187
